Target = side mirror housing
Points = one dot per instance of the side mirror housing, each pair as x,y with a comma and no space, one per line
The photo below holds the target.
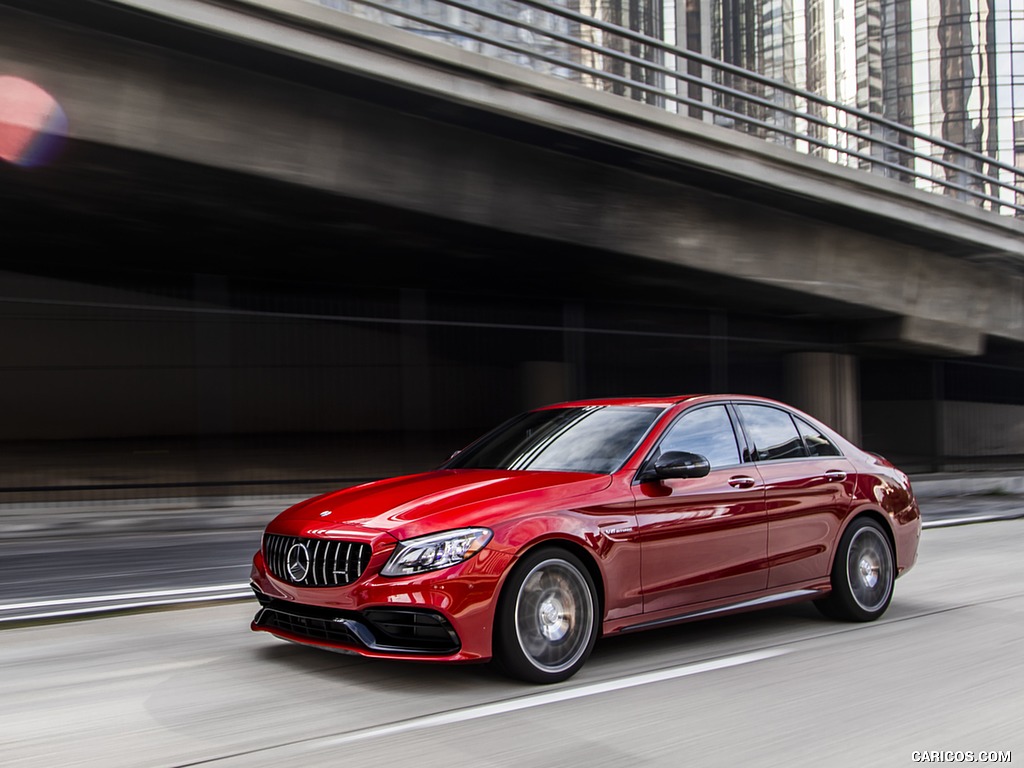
675,465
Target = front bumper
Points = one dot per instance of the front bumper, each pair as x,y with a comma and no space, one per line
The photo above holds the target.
445,615
390,632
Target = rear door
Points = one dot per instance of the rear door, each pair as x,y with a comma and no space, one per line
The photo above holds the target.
808,486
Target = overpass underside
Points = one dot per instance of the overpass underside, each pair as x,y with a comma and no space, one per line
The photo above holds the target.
242,253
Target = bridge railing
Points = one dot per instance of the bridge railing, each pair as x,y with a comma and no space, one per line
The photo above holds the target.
565,43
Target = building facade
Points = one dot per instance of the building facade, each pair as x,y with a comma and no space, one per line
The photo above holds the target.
952,69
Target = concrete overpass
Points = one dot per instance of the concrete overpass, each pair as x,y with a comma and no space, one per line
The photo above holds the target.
259,137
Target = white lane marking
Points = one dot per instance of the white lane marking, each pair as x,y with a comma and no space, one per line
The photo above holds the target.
112,607
185,592
77,606
528,702
963,521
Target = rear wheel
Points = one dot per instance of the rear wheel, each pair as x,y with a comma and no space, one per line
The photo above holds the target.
862,575
547,619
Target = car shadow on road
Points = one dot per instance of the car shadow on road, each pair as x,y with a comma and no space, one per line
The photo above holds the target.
614,656
356,670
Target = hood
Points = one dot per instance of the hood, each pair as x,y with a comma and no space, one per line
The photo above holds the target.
444,499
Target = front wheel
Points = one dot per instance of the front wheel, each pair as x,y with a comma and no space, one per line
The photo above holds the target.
862,575
547,619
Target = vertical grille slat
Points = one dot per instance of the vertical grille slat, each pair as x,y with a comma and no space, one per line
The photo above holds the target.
313,561
273,561
323,563
325,569
281,547
336,572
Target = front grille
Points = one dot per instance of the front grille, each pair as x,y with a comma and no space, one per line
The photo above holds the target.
314,562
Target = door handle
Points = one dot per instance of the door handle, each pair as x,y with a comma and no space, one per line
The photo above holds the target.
742,481
835,475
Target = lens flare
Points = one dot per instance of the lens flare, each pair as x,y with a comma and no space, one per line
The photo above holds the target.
32,124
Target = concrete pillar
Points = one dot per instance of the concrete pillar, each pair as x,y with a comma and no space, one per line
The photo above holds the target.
824,384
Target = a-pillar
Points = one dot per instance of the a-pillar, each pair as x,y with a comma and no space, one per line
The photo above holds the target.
824,385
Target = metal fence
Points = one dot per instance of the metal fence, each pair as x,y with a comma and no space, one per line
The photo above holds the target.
562,42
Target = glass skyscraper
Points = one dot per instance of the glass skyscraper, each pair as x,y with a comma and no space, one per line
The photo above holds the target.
953,69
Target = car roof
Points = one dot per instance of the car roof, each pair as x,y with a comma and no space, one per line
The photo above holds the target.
663,401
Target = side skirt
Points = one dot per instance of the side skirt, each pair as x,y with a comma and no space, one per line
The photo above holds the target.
743,605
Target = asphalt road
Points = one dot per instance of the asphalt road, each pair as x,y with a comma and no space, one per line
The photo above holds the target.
942,671
72,557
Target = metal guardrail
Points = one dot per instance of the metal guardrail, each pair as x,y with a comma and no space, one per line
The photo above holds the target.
565,43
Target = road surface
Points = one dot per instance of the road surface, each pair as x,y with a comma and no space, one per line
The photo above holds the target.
942,671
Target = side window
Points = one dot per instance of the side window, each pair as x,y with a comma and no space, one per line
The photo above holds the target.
816,443
707,431
773,432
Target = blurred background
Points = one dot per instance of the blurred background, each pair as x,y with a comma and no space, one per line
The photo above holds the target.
294,245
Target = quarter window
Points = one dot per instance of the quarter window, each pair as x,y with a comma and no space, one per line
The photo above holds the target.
773,432
817,444
706,431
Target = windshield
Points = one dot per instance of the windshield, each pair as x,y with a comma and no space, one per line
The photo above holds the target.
595,439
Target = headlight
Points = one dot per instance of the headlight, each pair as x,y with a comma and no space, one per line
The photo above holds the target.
436,551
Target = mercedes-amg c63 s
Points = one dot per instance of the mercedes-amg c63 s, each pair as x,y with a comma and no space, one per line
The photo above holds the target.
586,519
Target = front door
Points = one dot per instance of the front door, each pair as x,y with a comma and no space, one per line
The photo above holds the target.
702,539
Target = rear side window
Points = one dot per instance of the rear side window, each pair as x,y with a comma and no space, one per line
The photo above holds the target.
773,432
817,444
706,431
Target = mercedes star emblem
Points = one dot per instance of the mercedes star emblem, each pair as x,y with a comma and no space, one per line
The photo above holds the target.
298,562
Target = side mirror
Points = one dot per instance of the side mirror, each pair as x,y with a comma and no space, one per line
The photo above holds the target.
677,464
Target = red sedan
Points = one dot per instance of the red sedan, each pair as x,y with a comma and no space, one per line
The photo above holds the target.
591,518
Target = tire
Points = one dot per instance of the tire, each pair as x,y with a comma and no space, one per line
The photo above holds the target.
862,575
547,620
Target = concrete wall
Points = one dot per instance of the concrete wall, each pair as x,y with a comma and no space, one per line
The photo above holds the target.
79,360
982,429
950,434
196,356
902,430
